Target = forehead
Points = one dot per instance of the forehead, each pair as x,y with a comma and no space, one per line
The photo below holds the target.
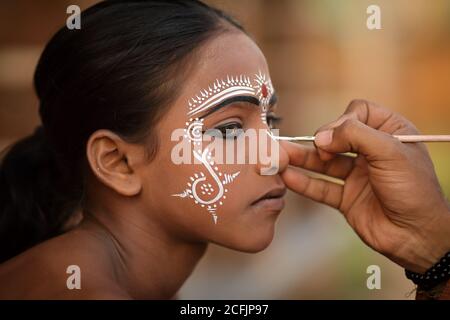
230,54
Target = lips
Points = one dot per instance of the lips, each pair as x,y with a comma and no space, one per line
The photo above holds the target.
272,200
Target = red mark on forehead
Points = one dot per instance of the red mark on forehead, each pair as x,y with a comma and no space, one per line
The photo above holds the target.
264,90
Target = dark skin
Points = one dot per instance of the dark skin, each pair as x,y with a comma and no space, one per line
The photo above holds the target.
391,197
138,242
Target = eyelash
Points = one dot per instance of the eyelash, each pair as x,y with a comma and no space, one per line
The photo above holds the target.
273,120
232,130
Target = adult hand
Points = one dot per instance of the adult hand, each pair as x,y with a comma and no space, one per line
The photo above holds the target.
391,196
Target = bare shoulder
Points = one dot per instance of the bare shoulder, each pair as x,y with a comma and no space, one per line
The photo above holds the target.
70,266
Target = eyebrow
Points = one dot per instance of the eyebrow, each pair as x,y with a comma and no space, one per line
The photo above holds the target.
250,99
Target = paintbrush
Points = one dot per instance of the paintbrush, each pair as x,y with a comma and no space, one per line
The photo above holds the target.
402,138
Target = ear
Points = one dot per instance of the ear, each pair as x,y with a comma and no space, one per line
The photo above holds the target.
113,161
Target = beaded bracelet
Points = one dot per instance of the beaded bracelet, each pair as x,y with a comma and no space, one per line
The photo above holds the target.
438,273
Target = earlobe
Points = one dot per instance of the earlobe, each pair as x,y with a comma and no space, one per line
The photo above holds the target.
109,158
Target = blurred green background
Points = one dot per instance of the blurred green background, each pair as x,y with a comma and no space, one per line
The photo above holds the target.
321,56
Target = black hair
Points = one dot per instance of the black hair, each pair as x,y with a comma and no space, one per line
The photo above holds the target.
115,73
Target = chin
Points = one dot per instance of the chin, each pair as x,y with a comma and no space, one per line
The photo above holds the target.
255,240
258,247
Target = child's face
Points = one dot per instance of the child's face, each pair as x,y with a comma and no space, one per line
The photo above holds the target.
214,199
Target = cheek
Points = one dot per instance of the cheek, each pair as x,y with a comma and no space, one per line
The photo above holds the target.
208,184
208,200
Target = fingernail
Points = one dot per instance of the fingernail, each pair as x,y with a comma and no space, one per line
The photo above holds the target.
323,138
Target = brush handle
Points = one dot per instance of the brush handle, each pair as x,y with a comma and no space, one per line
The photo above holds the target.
423,138
402,138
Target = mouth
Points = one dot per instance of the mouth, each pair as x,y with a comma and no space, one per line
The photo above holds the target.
272,200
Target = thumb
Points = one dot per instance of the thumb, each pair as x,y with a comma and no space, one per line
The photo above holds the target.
354,136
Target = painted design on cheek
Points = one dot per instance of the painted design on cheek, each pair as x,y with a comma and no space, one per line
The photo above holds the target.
208,195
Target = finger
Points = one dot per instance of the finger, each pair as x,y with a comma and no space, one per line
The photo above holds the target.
384,120
357,110
319,190
335,123
375,117
355,136
325,155
308,158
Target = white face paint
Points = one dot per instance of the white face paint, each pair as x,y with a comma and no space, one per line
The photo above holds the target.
210,195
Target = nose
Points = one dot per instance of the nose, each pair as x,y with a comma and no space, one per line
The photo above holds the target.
273,158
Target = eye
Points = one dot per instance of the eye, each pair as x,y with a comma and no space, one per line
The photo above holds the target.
273,120
230,130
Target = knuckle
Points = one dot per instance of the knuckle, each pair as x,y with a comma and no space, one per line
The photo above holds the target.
348,127
325,191
401,125
357,104
360,107
411,128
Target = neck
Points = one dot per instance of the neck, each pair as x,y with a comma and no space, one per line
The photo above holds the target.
147,261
